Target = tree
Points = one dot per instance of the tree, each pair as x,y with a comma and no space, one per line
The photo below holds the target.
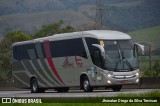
6,51
51,29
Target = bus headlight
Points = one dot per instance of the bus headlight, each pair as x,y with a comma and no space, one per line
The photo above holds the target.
109,82
137,74
109,75
137,80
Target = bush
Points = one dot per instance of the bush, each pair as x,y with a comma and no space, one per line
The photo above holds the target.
155,72
156,69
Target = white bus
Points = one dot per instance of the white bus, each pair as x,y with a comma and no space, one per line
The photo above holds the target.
87,59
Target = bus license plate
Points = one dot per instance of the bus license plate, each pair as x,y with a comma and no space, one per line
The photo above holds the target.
124,81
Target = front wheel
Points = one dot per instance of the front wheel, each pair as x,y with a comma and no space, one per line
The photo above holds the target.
86,85
117,87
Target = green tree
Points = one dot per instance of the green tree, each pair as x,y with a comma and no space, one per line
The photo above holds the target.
51,29
6,51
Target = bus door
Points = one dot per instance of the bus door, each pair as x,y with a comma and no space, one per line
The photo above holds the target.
97,61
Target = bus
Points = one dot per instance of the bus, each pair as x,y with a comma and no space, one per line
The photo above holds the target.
86,59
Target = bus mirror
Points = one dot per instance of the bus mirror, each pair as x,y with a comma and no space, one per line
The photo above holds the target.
141,47
101,49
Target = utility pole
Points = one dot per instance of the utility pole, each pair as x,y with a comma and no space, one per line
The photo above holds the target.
99,14
150,61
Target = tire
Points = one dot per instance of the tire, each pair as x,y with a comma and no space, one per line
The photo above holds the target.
65,89
34,86
117,88
86,85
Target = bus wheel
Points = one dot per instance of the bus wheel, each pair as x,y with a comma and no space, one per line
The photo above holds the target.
34,86
117,87
86,85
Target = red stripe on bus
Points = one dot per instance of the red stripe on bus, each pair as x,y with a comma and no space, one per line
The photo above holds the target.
49,59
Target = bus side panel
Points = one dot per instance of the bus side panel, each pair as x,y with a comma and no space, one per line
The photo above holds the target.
70,68
44,73
65,70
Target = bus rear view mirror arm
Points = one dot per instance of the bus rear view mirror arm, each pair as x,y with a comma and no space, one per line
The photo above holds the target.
141,47
100,48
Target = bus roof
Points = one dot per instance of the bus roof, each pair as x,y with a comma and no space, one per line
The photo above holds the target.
98,34
108,34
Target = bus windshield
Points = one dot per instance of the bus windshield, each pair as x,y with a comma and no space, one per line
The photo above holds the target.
120,55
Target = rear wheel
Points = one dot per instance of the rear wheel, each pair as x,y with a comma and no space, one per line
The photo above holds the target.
117,87
86,85
34,86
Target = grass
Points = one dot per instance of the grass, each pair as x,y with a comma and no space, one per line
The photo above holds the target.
155,93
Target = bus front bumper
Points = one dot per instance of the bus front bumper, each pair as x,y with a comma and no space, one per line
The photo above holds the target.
122,80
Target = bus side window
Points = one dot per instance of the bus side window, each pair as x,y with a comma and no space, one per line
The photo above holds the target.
91,48
69,47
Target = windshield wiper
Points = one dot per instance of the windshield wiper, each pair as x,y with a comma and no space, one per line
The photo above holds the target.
128,64
120,59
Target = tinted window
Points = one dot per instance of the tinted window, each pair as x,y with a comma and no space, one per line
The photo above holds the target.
91,48
71,47
43,52
21,52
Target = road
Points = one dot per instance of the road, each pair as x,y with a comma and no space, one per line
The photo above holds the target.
72,93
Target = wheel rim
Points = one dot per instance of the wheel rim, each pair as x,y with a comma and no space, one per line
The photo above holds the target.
86,85
34,85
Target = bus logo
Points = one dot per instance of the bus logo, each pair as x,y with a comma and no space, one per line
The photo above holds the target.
67,64
6,100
